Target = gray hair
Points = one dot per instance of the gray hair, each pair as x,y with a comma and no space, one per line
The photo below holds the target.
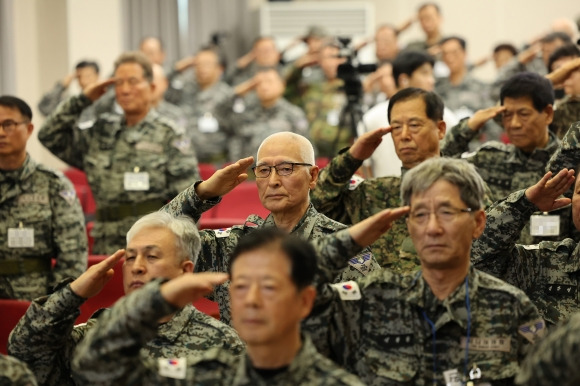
137,58
306,149
455,171
187,238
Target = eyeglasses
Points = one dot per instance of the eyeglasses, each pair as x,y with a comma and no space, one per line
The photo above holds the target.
131,81
283,169
9,126
444,214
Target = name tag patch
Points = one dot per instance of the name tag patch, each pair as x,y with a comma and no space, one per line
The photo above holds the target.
32,198
149,146
487,344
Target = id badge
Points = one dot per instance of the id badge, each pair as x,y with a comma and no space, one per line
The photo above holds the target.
332,118
20,237
544,225
207,124
136,181
172,367
452,378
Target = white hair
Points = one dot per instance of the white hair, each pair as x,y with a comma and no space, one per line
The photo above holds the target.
306,149
187,238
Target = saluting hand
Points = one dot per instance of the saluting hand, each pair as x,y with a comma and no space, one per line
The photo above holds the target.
92,281
96,90
224,180
545,193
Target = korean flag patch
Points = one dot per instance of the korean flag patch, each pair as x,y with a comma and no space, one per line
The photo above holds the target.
355,181
222,232
347,290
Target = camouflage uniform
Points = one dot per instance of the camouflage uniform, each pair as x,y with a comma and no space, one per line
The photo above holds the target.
553,360
217,245
40,198
210,146
173,112
567,112
247,129
505,168
108,150
105,356
390,329
323,103
549,272
51,99
15,373
514,67
45,338
299,79
239,75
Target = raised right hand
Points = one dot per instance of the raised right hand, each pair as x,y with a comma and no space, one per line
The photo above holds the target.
367,143
224,180
92,281
96,90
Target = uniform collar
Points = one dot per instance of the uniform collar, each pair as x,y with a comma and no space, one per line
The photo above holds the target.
546,152
303,224
171,330
22,173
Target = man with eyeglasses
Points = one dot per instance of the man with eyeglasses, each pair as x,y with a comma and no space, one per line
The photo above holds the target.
42,218
135,163
285,174
448,323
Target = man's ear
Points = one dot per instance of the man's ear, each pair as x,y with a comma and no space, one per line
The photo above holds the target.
549,111
442,128
187,266
314,171
307,296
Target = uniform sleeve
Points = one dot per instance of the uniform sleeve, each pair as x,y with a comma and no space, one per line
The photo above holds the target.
51,99
553,360
496,252
45,338
110,353
457,141
182,164
188,203
568,153
332,195
69,233
59,135
15,373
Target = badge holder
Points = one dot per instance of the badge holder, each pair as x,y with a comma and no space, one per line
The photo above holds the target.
544,225
20,237
136,181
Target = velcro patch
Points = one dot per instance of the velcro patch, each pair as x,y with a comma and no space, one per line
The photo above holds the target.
533,330
173,367
222,232
494,343
355,181
531,247
149,146
183,145
362,263
347,290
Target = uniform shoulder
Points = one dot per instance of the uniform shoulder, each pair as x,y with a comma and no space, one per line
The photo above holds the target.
167,123
326,223
495,146
492,283
212,323
329,372
56,176
109,117
563,245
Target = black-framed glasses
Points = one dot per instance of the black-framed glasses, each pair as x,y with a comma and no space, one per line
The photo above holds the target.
283,169
9,125
445,214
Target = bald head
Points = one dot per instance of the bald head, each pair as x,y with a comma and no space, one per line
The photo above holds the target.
292,140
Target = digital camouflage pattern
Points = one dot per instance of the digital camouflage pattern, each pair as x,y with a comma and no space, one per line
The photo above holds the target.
248,128
106,356
554,360
549,272
55,96
46,337
210,146
471,94
239,75
396,332
217,245
505,169
566,113
42,199
15,373
108,149
567,155
514,67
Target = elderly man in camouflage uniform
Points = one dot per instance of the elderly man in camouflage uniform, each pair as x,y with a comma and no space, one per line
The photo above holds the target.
448,324
15,373
553,360
198,98
285,174
417,125
42,218
271,292
269,113
158,246
134,163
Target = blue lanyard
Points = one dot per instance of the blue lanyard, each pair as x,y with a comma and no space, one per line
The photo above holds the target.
434,334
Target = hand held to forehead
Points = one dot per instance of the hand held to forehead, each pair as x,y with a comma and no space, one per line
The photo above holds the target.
92,281
190,287
367,143
224,180
96,90
545,193
480,117
369,230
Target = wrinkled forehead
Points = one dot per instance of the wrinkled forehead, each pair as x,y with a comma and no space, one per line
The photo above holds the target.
279,149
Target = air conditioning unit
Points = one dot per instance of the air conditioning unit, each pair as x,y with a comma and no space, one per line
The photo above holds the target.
286,21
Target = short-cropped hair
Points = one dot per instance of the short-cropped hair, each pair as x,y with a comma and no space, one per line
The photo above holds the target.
565,51
433,102
13,102
300,253
138,58
458,39
455,171
409,61
87,63
530,85
505,47
188,242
